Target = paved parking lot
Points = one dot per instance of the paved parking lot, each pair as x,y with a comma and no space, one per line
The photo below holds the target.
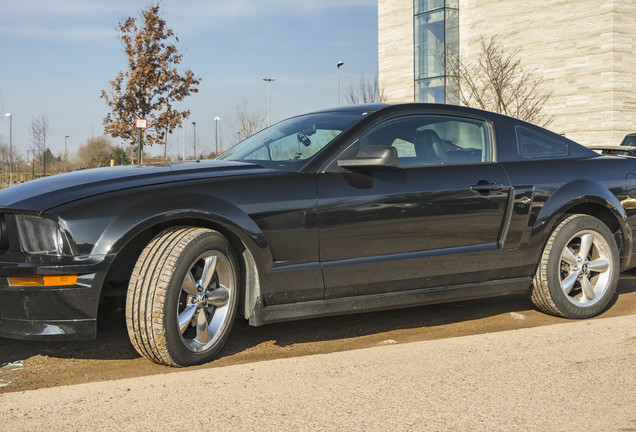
570,376
32,365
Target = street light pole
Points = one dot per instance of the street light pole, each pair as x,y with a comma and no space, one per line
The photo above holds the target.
269,107
340,63
65,157
10,147
195,139
216,135
184,139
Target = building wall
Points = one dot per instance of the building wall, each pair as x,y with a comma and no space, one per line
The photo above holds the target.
584,49
395,50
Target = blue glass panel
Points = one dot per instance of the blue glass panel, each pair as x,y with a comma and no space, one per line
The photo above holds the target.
429,28
430,90
428,5
436,28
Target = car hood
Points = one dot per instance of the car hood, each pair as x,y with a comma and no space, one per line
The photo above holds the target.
42,194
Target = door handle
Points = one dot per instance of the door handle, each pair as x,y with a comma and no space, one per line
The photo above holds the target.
485,187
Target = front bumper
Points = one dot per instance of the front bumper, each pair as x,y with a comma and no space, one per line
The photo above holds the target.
51,312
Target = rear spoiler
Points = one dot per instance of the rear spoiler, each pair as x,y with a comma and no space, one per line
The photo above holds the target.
615,150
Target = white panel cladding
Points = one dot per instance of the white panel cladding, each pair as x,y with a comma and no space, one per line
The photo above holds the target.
584,49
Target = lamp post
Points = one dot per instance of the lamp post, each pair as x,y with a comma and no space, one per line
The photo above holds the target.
65,157
184,138
195,139
340,63
10,147
216,135
165,146
269,111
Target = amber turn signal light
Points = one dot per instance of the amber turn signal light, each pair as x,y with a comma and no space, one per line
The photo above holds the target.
43,280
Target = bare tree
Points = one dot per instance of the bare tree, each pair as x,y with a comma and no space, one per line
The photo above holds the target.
4,158
364,90
39,130
246,123
498,81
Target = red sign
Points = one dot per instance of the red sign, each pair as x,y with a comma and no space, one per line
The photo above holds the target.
141,123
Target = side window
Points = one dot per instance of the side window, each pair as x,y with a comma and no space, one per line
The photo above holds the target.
422,140
533,144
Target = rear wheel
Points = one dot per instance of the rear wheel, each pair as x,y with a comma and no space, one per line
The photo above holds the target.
578,271
182,297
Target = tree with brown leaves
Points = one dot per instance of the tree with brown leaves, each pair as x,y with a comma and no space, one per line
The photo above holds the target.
152,83
498,81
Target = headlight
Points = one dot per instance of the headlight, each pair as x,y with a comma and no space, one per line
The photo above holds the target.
42,236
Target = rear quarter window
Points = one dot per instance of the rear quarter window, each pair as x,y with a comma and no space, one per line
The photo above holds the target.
533,144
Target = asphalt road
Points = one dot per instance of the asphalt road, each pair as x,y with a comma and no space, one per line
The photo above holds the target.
575,376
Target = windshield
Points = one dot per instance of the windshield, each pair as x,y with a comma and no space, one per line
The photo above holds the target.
290,143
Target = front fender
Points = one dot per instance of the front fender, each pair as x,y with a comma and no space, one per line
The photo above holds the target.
103,225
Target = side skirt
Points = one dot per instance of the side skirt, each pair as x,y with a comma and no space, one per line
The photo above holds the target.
376,302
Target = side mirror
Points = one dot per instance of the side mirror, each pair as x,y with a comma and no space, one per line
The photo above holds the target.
372,156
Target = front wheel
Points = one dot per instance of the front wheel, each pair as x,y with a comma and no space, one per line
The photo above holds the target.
182,297
578,271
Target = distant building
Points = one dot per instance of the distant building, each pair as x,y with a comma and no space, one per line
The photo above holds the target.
584,49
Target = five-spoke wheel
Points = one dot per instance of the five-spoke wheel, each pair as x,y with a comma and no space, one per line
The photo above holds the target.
204,301
578,271
585,268
183,296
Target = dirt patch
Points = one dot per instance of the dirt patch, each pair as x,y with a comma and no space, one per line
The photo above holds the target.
26,365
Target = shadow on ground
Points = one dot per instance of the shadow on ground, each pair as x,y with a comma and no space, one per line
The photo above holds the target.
111,356
112,340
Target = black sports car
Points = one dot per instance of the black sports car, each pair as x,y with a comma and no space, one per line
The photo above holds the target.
340,211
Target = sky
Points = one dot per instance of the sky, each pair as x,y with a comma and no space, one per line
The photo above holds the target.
57,56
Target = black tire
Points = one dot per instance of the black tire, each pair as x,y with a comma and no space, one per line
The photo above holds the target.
168,284
570,282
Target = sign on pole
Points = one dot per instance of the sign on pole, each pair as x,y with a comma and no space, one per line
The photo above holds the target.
140,124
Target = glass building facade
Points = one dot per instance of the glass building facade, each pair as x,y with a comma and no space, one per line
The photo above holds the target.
436,36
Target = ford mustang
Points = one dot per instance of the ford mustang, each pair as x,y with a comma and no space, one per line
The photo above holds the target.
345,210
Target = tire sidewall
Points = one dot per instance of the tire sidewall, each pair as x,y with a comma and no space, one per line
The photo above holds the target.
176,348
564,233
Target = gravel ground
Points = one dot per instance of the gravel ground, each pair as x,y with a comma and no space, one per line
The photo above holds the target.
565,377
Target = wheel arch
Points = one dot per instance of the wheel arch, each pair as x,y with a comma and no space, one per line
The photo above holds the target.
251,248
589,198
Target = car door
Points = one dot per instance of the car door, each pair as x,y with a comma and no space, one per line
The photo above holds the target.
433,221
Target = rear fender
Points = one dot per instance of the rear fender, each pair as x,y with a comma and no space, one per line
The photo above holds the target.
583,194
